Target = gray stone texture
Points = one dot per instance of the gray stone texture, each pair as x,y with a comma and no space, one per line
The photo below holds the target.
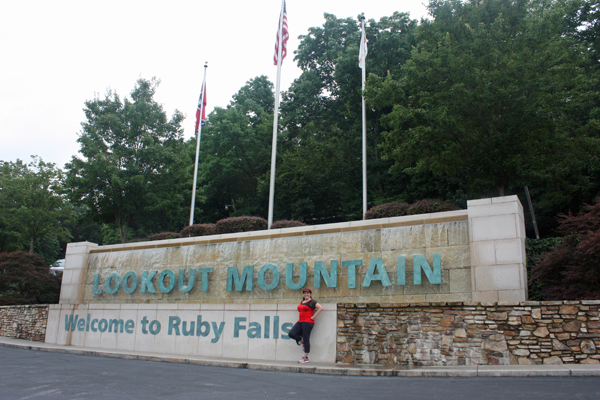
443,334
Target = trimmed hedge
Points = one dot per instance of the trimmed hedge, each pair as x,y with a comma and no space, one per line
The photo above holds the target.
137,240
163,236
395,209
428,206
387,210
240,224
198,230
285,223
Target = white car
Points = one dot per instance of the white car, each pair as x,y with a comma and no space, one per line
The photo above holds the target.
58,266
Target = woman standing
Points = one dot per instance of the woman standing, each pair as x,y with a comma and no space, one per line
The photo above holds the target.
301,330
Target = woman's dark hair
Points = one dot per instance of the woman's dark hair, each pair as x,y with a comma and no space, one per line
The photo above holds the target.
308,293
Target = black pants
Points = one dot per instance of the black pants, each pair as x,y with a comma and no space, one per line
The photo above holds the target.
301,330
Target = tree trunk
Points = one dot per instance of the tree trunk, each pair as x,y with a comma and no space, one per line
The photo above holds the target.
500,188
31,243
123,231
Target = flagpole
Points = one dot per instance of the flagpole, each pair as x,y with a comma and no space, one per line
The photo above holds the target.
364,124
198,137
275,118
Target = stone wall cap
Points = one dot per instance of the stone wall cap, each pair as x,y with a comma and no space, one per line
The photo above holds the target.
505,199
508,303
479,202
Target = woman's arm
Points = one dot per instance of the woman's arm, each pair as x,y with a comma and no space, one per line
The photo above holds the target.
318,309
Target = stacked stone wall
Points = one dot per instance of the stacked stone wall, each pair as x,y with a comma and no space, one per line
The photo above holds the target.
24,322
431,334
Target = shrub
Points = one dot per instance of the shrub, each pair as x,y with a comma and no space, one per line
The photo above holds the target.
198,230
428,206
25,278
571,271
536,249
285,223
137,240
387,210
163,236
240,224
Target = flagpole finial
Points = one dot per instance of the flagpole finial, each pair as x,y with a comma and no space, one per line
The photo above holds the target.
362,16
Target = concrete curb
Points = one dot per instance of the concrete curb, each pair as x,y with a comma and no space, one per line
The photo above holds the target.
579,370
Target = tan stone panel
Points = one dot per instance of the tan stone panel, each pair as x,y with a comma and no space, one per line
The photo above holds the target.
452,257
370,241
426,287
174,257
340,291
414,237
313,245
394,299
435,298
390,240
460,280
377,289
458,233
346,243
330,244
436,235
227,253
197,254
286,248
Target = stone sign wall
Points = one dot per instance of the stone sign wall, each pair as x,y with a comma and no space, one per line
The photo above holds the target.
429,334
344,265
254,331
469,255
24,322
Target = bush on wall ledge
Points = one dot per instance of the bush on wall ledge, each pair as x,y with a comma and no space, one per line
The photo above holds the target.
198,230
395,209
285,223
240,224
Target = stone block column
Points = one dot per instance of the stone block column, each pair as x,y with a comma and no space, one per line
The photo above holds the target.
73,280
497,236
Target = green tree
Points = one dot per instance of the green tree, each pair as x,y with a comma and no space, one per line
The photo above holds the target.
488,97
235,154
32,205
322,115
132,170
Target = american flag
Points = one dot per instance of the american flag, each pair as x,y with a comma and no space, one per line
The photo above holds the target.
201,107
285,34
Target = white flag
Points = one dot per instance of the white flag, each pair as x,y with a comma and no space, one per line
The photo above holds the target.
362,55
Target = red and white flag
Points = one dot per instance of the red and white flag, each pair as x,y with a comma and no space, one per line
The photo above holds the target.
362,54
201,107
283,28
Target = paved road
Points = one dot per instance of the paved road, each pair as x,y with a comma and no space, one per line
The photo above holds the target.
29,374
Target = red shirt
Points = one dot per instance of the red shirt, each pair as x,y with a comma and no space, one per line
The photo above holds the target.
306,312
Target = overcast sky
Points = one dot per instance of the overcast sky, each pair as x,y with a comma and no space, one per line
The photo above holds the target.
57,54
